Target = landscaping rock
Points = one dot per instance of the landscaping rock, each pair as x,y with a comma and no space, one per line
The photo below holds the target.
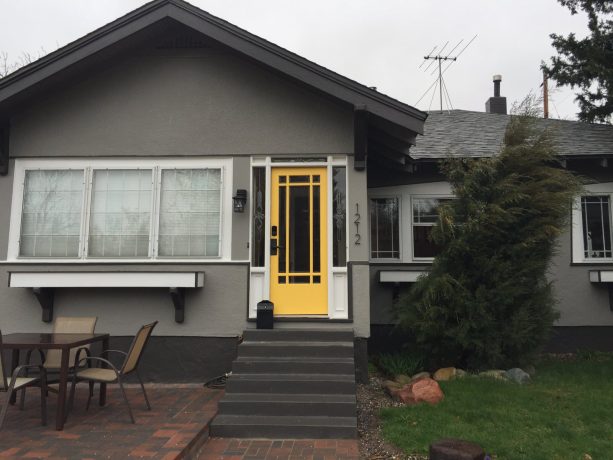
460,373
420,375
402,379
391,388
518,375
427,390
444,374
406,396
497,374
455,449
531,370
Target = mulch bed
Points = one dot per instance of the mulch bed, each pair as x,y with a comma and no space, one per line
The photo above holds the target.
371,399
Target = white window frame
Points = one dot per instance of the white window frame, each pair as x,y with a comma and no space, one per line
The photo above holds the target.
401,243
578,250
412,223
88,165
406,194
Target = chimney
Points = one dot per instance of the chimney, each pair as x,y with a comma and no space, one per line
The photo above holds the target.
496,104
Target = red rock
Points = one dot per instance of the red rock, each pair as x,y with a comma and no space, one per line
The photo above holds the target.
426,390
406,396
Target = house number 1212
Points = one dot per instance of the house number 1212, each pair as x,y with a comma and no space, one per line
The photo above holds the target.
356,221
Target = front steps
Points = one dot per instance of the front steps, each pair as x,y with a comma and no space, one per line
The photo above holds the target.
289,383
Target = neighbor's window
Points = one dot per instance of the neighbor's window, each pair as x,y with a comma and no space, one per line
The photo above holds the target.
384,228
138,213
425,216
51,213
595,213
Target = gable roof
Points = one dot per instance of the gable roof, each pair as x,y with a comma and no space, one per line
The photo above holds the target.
383,107
480,134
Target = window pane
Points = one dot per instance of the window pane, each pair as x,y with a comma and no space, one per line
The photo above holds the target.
120,216
339,224
384,228
51,216
259,217
299,231
596,227
425,216
190,213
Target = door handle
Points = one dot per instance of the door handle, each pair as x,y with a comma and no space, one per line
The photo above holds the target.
274,246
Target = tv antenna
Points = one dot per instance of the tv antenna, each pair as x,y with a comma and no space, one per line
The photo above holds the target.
438,57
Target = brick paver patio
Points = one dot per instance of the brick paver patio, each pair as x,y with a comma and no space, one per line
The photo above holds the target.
303,449
175,428
176,424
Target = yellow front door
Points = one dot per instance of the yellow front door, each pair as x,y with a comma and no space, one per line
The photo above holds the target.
298,241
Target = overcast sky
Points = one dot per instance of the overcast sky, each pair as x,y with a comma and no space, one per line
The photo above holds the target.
378,43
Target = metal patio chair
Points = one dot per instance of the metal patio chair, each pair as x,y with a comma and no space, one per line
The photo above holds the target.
18,382
52,360
111,374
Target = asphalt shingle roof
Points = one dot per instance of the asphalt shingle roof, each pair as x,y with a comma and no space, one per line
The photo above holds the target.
480,134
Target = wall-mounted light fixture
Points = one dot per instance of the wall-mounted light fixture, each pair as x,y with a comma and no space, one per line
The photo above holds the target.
239,200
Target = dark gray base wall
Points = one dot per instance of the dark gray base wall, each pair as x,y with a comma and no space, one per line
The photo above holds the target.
385,338
360,350
173,359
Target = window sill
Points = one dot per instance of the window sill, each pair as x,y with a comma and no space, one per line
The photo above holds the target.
400,276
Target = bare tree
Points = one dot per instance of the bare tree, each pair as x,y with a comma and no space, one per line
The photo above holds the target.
8,66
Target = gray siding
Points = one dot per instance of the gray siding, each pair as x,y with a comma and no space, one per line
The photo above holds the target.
200,102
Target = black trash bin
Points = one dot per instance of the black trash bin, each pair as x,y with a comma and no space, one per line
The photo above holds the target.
265,310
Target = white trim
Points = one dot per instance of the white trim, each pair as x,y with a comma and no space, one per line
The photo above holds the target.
406,193
399,276
225,164
605,188
106,279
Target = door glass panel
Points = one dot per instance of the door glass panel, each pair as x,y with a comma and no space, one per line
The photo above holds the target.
339,221
299,226
299,279
259,213
316,230
282,230
298,179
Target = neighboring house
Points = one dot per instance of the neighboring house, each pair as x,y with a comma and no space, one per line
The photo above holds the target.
170,166
582,269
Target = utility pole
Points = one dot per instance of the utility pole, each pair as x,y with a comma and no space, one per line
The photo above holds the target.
545,96
440,59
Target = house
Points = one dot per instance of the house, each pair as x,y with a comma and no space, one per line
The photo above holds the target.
582,269
170,166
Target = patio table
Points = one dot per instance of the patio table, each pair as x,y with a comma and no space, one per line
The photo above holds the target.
49,341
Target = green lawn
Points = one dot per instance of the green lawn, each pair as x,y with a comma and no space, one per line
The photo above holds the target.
565,413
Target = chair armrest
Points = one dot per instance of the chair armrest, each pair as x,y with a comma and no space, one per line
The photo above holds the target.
77,357
102,360
114,351
25,367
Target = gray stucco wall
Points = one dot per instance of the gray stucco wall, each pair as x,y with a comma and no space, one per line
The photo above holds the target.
182,102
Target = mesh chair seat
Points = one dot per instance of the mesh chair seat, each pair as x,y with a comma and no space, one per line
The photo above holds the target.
98,374
21,382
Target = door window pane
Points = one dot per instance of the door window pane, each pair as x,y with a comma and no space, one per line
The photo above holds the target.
190,212
596,227
385,240
299,230
120,216
51,214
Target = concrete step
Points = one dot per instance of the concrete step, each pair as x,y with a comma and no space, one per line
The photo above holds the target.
291,383
323,405
301,335
290,349
303,365
283,427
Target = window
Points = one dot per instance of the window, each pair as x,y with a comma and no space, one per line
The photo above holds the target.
384,228
424,217
339,217
124,209
596,220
